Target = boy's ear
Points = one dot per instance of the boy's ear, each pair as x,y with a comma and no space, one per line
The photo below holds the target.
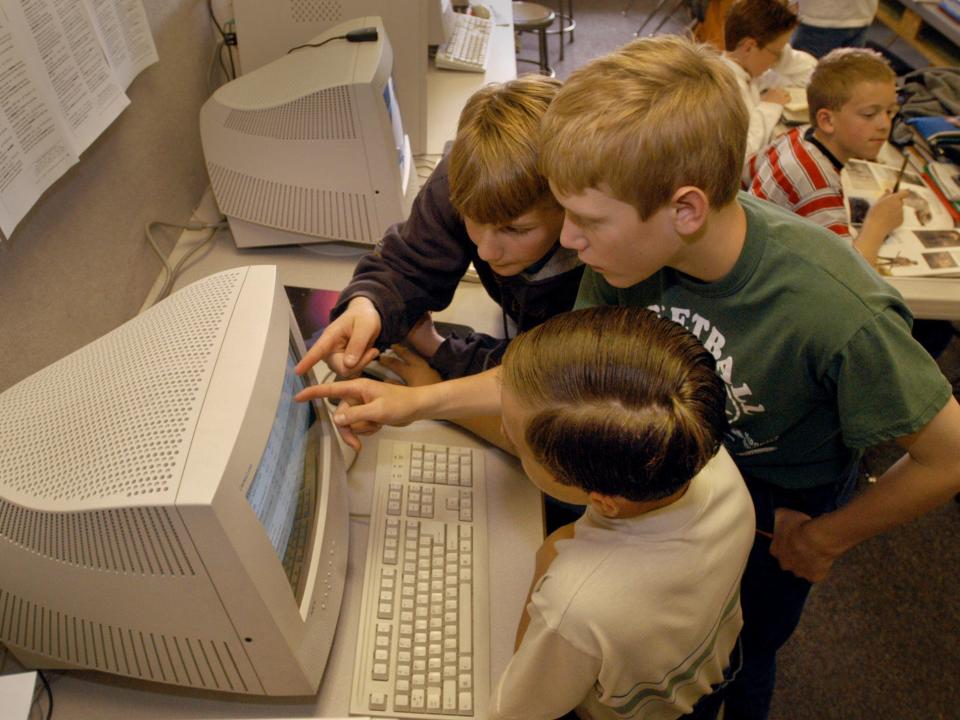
746,45
606,505
690,208
825,120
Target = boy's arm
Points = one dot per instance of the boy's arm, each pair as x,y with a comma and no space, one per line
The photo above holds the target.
418,265
927,476
883,217
379,403
545,555
546,678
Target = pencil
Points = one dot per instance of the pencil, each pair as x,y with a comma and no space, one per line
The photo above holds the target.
903,167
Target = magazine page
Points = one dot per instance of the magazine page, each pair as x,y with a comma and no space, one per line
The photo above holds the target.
920,253
125,34
864,183
35,148
58,39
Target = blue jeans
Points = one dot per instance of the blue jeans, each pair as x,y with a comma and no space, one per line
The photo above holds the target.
772,599
819,41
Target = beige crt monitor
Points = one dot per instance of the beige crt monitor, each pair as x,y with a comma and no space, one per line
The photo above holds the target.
311,147
167,512
267,29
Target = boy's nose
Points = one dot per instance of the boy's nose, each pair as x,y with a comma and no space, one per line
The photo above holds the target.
571,236
487,246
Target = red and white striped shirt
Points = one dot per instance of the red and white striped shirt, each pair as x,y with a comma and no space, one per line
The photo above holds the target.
800,174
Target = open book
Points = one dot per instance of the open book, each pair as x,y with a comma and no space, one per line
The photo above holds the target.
796,112
64,69
926,243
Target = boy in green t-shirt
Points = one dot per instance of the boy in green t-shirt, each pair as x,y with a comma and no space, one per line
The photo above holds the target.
644,149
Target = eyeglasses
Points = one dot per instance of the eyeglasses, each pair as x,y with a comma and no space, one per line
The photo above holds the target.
776,53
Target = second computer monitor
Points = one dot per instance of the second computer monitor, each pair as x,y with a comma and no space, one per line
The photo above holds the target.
267,30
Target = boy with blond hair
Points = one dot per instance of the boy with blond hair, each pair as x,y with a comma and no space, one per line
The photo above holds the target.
644,149
852,98
634,609
757,50
486,203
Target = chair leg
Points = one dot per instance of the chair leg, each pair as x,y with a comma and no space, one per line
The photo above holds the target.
544,57
667,16
646,20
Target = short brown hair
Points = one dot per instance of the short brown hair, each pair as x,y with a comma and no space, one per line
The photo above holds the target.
762,20
624,402
645,120
838,72
494,162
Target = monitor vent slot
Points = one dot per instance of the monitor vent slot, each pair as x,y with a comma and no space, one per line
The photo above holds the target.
314,11
308,211
323,115
115,418
140,541
194,662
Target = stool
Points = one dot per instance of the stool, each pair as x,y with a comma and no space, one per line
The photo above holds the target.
534,17
567,23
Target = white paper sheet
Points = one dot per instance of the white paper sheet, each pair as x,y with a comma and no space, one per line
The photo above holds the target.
125,35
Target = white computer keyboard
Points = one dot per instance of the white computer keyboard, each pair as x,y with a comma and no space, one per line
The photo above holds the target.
469,45
423,648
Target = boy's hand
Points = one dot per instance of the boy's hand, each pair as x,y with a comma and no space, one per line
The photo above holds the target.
776,95
347,343
411,368
795,546
886,214
368,405
424,337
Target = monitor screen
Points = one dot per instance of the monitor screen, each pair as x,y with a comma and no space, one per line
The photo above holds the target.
396,125
284,489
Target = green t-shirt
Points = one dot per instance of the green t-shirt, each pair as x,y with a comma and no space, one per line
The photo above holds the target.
814,346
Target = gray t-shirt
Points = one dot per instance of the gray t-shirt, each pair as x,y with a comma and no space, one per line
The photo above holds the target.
814,345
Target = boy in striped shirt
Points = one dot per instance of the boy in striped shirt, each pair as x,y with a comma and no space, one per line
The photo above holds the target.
852,99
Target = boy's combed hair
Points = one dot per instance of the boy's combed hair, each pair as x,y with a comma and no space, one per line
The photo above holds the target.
762,20
494,162
838,72
656,115
623,402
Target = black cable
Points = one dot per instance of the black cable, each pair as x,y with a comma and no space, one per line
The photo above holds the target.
46,684
233,69
223,65
298,47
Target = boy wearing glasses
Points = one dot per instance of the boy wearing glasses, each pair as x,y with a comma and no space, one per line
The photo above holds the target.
757,41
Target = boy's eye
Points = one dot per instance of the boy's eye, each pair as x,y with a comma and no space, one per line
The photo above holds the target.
513,230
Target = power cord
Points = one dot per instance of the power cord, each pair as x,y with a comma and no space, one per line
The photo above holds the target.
173,270
229,40
365,34
46,685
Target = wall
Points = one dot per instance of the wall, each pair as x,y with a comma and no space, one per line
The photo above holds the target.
78,265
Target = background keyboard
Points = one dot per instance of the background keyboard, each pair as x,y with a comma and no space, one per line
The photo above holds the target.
423,644
469,45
